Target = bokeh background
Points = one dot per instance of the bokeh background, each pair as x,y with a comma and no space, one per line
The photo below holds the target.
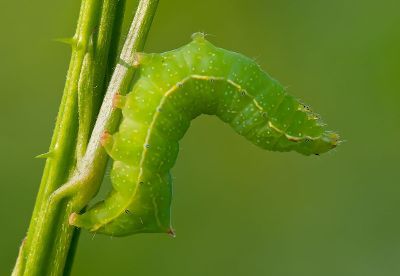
237,209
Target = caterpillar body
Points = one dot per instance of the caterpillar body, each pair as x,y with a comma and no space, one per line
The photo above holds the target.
172,89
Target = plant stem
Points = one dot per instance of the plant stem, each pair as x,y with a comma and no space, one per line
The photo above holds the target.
42,244
46,247
94,161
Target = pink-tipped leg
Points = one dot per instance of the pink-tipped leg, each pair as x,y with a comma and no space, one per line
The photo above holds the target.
140,58
118,101
72,219
107,141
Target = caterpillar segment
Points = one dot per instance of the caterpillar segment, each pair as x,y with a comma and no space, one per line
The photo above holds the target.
171,90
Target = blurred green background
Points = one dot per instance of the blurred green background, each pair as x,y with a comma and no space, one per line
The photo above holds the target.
237,210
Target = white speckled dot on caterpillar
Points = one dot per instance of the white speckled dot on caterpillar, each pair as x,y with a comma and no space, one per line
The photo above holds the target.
172,89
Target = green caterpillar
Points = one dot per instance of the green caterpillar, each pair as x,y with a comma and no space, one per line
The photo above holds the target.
172,89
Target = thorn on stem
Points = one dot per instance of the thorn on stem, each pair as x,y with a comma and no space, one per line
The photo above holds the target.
65,40
44,155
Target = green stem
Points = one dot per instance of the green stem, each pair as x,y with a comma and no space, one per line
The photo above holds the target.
41,253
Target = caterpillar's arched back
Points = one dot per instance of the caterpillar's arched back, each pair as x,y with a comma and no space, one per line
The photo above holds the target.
172,89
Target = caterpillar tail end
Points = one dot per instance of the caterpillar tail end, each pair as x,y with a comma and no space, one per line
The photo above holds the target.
122,223
82,221
75,220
